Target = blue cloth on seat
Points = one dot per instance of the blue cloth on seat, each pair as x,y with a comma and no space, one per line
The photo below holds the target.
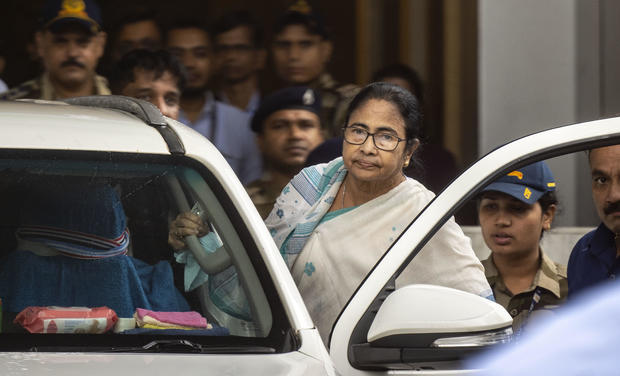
93,209
121,283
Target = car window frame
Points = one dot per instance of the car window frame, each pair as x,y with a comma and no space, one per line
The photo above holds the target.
281,338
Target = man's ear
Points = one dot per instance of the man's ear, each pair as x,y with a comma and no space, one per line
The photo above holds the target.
327,48
39,42
100,40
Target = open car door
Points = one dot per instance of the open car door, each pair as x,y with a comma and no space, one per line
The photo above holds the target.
429,330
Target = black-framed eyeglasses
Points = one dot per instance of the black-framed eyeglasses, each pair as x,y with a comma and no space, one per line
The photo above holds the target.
385,141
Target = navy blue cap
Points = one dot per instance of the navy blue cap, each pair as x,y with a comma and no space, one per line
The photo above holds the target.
527,184
294,97
57,13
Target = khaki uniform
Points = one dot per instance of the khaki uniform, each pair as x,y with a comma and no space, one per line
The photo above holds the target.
335,99
263,194
550,278
42,88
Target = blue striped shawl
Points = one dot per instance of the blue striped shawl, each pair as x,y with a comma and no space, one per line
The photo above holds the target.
302,204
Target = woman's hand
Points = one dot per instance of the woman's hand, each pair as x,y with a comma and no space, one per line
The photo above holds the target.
185,224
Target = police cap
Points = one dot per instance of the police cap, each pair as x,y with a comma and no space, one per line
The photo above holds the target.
58,13
295,97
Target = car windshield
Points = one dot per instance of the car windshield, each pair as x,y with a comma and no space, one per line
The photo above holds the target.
85,254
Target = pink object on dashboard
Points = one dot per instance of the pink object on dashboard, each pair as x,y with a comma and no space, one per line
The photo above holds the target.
191,318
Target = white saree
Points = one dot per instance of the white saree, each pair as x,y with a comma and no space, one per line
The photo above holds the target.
337,253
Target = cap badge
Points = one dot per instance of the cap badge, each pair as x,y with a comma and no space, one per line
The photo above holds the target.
301,6
527,193
73,7
308,98
518,174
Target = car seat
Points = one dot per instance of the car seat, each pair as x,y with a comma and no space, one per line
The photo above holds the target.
72,244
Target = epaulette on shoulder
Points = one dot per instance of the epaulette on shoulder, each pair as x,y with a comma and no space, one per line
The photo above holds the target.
345,91
348,88
20,91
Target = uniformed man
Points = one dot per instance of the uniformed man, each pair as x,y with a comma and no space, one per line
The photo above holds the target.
288,127
70,43
301,50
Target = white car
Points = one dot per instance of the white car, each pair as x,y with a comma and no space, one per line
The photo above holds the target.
259,324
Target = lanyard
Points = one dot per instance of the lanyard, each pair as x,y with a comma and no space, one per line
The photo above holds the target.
212,130
535,300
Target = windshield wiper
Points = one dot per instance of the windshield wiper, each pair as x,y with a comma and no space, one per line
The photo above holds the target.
185,346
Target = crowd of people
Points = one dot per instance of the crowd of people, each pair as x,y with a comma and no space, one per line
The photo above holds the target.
319,158
207,75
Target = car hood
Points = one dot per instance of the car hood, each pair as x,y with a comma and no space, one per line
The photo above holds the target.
79,364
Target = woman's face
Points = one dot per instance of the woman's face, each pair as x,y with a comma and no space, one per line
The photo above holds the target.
511,227
366,162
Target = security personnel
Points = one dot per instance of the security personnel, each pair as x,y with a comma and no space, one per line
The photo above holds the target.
514,211
301,50
287,127
70,43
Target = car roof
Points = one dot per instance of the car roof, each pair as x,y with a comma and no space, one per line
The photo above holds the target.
56,125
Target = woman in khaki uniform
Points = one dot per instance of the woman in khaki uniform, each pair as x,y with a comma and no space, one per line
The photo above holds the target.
514,211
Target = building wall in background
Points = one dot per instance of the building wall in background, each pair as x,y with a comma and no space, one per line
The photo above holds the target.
528,79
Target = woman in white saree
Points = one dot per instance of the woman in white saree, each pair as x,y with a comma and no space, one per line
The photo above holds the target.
334,221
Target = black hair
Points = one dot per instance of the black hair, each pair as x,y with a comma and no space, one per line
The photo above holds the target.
188,23
239,18
402,99
407,106
313,22
406,73
548,199
137,15
134,16
158,62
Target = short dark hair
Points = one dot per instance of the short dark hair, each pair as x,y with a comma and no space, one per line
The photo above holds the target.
137,15
406,73
158,62
313,22
188,23
547,199
239,18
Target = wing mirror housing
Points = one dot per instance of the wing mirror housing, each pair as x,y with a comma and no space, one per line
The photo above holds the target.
420,325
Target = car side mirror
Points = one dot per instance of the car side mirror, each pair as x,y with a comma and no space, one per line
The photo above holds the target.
425,324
